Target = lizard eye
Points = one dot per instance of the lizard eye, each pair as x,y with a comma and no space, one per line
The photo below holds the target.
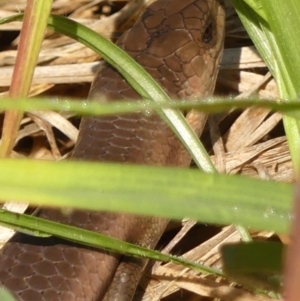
208,33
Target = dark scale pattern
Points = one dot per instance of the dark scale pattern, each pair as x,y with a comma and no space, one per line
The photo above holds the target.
180,44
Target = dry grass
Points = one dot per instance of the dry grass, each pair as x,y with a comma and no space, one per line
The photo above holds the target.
250,142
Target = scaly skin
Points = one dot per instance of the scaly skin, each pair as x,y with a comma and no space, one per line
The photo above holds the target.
179,42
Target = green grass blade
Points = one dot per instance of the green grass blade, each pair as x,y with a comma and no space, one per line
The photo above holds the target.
256,264
5,295
169,192
93,239
137,77
209,105
276,36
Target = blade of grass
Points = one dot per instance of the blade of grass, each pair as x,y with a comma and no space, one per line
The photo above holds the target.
256,264
208,105
170,192
282,22
5,295
270,36
136,75
32,33
93,239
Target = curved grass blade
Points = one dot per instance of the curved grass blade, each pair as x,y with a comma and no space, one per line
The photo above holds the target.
137,77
